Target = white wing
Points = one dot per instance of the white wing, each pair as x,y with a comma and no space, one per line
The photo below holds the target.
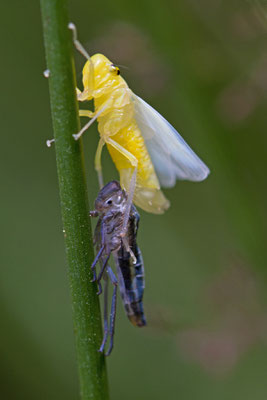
171,156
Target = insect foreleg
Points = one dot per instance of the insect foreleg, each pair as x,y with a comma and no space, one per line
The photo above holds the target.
101,349
76,42
93,214
88,92
103,230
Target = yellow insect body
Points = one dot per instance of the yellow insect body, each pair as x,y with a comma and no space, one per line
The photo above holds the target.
115,112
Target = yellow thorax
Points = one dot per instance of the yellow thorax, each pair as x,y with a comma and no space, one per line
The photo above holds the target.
100,77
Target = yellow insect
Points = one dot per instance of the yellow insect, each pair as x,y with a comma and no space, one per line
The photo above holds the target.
147,151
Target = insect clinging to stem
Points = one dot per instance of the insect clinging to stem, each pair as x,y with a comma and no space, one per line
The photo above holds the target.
110,207
147,151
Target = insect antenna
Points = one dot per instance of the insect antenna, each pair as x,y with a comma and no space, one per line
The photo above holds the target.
122,66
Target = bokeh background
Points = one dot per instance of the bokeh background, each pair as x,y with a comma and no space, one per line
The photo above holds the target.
203,65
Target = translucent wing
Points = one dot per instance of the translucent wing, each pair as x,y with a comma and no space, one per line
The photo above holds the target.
171,156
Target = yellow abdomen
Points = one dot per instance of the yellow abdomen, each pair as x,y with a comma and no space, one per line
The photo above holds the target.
130,138
147,193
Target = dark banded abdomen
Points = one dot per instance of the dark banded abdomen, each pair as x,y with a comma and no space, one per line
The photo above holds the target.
132,284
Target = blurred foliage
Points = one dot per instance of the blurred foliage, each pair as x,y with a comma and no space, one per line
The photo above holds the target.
202,64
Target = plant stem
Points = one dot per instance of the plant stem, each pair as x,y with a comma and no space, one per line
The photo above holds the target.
74,203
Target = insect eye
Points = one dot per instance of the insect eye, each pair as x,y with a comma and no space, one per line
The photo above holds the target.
117,200
115,69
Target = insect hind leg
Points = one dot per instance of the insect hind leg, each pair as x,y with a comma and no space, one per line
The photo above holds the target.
113,310
133,160
129,202
105,337
128,248
98,165
93,266
105,263
109,328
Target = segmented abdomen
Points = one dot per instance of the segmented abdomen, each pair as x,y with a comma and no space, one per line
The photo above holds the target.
132,284
130,138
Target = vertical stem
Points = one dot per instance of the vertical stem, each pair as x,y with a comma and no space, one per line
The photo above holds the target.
74,203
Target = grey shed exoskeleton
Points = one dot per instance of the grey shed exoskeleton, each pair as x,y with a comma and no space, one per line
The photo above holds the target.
110,238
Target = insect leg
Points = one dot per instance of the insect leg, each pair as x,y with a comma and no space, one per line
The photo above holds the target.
89,90
105,337
99,292
130,200
49,142
86,113
126,245
133,160
113,309
112,276
103,232
93,213
101,274
98,256
76,42
86,126
98,166
96,260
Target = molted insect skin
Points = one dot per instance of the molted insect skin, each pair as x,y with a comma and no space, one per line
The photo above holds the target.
108,191
102,83
130,275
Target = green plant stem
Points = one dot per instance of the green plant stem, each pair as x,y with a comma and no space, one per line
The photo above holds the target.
74,203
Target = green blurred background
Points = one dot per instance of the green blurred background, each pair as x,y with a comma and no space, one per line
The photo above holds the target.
202,64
